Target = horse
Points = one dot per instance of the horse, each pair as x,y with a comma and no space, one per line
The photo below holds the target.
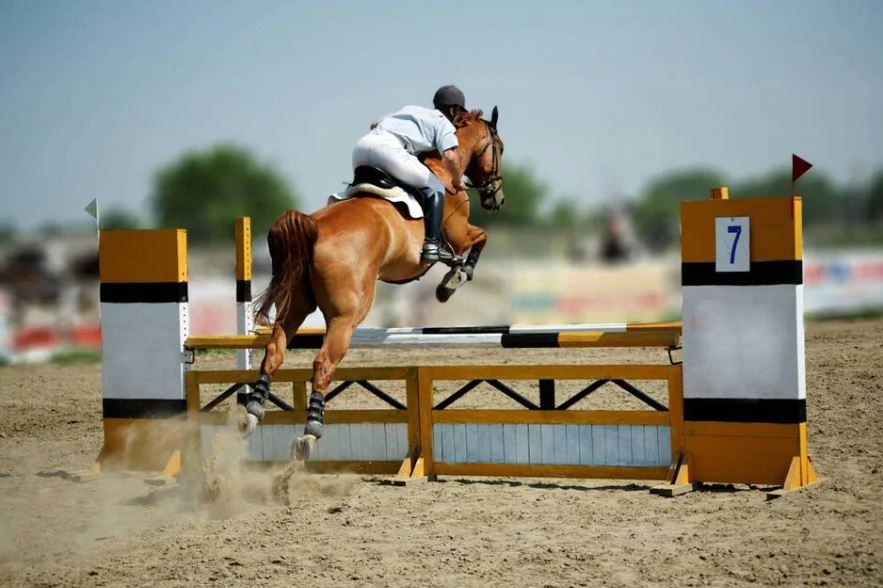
332,259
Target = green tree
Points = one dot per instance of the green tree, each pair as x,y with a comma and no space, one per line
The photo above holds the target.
7,232
874,203
205,190
657,214
525,194
565,214
119,218
823,202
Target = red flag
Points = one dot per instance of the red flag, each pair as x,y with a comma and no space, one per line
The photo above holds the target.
798,167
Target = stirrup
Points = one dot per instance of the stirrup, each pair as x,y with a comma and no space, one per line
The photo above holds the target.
433,252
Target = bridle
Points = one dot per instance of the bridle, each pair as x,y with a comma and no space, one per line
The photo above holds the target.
493,183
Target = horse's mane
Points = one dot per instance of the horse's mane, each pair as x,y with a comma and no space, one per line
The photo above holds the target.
464,118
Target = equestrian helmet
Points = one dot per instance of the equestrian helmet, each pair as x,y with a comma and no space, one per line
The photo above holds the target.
449,95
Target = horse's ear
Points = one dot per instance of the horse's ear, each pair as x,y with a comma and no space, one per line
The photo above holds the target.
495,115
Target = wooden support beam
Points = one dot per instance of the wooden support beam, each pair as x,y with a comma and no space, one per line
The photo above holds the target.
680,479
796,478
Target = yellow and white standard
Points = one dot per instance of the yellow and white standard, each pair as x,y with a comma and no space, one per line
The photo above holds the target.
144,323
743,338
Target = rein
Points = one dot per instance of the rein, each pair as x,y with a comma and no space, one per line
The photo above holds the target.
488,189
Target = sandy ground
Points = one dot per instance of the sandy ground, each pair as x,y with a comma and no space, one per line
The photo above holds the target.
353,530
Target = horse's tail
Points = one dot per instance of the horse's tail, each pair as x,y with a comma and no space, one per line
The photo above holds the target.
290,240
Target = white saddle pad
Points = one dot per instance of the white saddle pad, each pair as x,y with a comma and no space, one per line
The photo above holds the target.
396,195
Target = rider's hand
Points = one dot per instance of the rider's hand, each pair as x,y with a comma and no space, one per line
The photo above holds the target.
457,184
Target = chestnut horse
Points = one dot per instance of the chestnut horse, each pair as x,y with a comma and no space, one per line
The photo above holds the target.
331,259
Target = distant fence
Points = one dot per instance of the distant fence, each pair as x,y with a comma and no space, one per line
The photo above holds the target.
835,282
843,281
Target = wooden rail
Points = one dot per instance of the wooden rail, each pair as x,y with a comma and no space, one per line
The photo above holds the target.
664,335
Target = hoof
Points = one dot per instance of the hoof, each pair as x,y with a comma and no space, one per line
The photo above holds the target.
443,294
301,447
247,425
456,277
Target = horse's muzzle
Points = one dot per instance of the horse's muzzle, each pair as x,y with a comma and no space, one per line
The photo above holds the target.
493,200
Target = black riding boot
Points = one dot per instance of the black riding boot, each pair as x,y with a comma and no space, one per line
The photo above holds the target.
433,210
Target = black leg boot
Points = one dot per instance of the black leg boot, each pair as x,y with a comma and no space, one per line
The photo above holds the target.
471,260
303,446
315,424
256,401
433,210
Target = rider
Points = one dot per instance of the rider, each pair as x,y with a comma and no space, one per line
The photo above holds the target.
396,141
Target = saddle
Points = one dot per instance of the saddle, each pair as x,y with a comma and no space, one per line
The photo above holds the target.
366,174
373,181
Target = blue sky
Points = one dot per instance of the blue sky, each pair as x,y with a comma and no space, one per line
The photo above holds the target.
598,96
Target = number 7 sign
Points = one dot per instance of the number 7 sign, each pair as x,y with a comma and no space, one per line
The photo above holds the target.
732,244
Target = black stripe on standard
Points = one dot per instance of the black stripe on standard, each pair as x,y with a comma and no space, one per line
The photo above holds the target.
527,340
745,410
144,292
142,408
243,290
464,330
762,273
306,341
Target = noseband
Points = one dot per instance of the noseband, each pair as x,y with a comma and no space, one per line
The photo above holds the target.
492,184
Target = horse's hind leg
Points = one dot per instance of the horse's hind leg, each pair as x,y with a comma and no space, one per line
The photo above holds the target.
337,342
345,295
274,356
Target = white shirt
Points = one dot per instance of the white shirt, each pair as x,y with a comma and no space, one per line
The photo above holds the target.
420,129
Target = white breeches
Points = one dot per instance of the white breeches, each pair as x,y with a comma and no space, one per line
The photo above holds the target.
383,150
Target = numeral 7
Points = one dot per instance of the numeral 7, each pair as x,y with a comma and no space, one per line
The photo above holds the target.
738,230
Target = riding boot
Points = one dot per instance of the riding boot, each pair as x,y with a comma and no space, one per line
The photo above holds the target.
433,210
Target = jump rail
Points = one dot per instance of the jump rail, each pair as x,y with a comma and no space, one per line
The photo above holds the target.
666,335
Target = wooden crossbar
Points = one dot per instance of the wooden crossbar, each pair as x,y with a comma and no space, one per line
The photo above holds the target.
662,335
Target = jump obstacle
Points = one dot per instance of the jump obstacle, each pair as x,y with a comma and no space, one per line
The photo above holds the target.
735,412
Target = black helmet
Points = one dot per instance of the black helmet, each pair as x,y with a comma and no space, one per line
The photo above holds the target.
449,95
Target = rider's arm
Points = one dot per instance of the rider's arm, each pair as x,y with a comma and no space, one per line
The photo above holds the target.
453,166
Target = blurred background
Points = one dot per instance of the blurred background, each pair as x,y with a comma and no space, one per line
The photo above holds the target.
191,114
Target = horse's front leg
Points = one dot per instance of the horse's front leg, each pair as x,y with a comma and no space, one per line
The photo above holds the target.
462,237
478,236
